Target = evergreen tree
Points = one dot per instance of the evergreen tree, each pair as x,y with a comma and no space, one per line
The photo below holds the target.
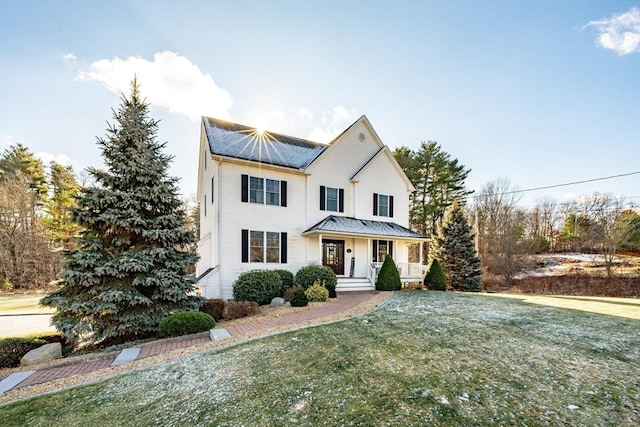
455,249
128,271
59,222
18,158
388,278
438,179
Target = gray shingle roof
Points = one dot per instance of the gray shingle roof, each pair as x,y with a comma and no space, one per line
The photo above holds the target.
244,142
342,224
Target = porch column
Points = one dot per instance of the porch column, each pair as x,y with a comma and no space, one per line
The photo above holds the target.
320,249
420,249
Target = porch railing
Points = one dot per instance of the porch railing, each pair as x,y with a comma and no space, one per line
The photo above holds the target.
407,270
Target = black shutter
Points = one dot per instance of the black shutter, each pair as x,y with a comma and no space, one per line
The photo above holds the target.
375,251
283,248
245,245
390,246
341,200
212,188
245,188
375,204
283,193
391,206
323,190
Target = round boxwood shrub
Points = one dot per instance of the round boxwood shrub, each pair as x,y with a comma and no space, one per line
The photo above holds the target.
388,278
185,322
317,293
435,279
308,275
299,298
260,286
287,280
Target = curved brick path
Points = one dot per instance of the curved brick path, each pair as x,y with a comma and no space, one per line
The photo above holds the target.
344,302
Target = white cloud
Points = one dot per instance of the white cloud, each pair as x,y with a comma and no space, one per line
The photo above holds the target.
69,57
170,81
46,158
305,113
620,33
334,121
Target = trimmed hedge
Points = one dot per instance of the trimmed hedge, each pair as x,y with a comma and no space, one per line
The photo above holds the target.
435,278
307,276
388,278
260,286
185,322
13,349
214,308
317,293
299,298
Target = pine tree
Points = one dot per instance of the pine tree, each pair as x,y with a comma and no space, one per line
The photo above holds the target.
18,158
455,249
128,271
58,221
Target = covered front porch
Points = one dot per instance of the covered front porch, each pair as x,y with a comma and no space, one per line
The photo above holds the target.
355,250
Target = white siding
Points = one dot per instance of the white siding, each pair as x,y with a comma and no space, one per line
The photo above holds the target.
237,215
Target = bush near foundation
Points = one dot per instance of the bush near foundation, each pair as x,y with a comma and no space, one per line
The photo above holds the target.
260,286
214,307
299,298
185,322
435,279
307,276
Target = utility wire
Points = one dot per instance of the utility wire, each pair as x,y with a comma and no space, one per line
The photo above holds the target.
560,185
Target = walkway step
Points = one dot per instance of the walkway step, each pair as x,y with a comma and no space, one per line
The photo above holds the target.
14,379
219,334
127,355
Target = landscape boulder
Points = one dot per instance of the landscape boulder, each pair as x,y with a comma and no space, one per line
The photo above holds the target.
42,354
277,302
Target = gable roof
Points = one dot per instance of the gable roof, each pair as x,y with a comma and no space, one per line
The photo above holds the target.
362,227
244,142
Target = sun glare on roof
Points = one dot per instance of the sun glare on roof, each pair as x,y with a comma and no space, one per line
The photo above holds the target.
260,131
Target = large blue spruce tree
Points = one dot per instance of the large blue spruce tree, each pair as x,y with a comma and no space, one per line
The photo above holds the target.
128,272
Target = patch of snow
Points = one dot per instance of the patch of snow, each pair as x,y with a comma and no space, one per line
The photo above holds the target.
573,407
464,397
443,400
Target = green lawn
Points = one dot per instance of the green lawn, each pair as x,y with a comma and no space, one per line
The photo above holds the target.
22,304
425,358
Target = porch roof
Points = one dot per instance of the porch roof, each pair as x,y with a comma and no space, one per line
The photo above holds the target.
362,227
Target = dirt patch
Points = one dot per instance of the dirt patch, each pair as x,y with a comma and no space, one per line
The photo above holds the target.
583,285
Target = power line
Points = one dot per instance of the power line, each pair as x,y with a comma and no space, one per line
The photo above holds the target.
561,185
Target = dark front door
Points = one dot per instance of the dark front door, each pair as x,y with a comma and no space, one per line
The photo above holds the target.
333,255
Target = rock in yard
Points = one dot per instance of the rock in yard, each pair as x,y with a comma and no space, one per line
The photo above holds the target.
277,302
42,354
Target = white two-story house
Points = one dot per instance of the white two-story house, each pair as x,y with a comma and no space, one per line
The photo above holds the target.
271,201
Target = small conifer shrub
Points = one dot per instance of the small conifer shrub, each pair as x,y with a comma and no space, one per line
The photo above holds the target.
388,278
299,298
317,293
185,322
435,279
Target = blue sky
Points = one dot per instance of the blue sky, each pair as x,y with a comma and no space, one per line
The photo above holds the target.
539,92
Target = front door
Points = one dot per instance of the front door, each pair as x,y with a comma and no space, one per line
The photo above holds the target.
333,255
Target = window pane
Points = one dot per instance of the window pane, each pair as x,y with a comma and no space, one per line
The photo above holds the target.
273,192
257,246
332,199
383,250
273,247
256,190
383,205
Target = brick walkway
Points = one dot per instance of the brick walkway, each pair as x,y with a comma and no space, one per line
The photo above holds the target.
344,302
